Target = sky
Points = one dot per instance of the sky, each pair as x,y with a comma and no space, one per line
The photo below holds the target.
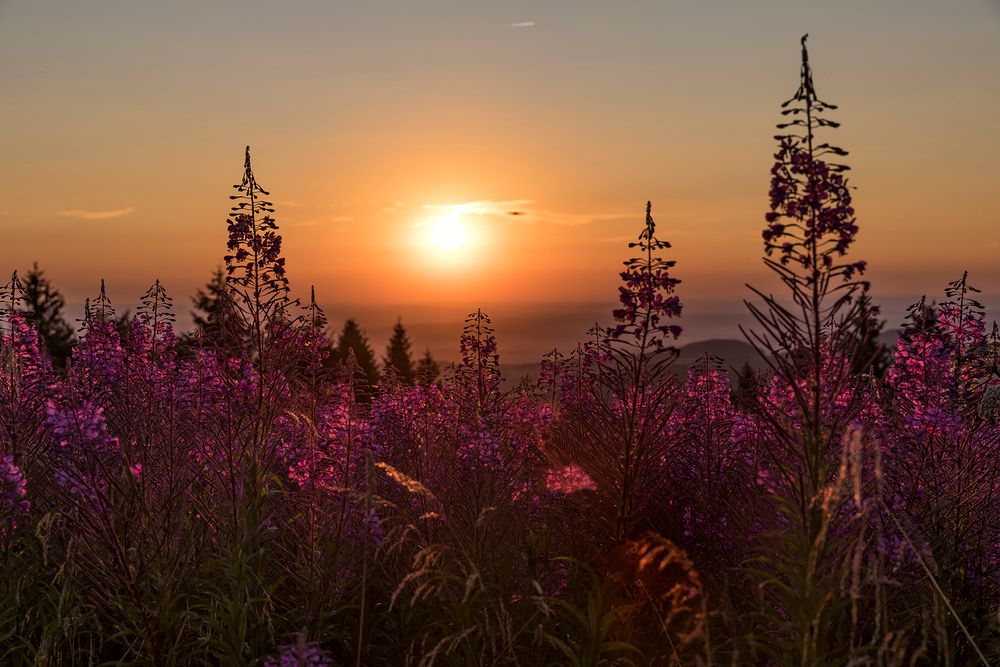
535,130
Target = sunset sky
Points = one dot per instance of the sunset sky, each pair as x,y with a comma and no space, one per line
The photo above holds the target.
124,125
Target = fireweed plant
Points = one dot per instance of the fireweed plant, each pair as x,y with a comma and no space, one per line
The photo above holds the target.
809,339
245,495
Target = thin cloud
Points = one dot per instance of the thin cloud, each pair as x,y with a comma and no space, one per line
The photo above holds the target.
523,211
95,215
483,207
522,24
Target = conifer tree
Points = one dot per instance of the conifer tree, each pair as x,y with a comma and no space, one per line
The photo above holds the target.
44,304
353,338
747,388
871,356
398,355
428,370
214,315
209,299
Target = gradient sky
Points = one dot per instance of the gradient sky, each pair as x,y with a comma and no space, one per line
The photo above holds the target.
123,126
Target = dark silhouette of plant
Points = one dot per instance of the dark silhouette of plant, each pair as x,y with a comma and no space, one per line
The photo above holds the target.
810,343
255,271
99,308
398,355
252,397
622,393
635,374
810,227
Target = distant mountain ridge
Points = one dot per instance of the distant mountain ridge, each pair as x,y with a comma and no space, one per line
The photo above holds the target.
733,353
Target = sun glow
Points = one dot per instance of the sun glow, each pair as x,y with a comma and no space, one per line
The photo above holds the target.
451,237
448,233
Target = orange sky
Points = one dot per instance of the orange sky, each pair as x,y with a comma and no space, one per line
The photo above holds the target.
124,125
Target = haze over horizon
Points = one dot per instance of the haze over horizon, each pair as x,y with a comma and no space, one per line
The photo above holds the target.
528,331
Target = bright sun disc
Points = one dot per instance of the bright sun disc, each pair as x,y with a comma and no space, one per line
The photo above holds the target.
447,234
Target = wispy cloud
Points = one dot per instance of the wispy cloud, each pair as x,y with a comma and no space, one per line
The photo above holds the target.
522,24
95,215
523,211
485,207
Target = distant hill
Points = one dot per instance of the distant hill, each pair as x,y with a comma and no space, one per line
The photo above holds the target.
891,337
734,354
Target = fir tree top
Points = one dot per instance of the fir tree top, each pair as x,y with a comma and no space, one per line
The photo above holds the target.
398,355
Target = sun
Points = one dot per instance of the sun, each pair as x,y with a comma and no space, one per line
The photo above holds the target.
451,237
448,233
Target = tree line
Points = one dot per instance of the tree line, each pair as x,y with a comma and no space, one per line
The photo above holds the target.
212,315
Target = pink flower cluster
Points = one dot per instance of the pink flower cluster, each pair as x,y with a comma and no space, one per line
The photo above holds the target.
569,479
300,654
14,488
647,293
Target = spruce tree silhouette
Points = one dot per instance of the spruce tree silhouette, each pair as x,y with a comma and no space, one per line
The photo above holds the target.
746,393
872,355
428,370
398,355
214,316
43,304
353,338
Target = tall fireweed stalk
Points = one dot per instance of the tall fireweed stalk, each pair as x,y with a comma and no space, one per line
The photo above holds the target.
620,393
808,338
